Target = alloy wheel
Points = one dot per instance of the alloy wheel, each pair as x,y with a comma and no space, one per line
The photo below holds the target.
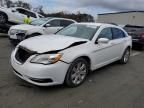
79,72
126,56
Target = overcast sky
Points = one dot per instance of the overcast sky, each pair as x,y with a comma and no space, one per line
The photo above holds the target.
88,6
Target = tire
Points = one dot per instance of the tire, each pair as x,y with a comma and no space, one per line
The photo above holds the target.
33,35
14,42
125,57
77,73
3,18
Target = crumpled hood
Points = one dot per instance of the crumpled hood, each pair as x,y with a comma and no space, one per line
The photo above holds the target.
46,43
24,27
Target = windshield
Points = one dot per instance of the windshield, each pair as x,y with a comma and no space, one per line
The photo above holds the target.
79,31
40,21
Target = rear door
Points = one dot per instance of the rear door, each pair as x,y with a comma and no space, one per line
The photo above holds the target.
118,41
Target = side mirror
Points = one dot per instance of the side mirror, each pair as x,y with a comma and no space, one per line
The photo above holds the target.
47,25
103,40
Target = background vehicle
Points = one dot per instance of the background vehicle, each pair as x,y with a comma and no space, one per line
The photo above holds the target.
37,27
70,54
16,15
137,33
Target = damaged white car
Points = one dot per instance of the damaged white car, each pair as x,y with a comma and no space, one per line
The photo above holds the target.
68,56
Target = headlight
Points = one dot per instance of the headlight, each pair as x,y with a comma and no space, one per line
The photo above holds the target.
14,31
46,58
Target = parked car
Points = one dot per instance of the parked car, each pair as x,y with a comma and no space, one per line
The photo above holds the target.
137,33
16,15
37,27
70,54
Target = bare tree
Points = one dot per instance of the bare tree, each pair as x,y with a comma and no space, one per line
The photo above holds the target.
39,10
23,4
8,3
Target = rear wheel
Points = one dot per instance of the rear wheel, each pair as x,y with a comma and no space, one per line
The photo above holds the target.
3,18
77,73
125,57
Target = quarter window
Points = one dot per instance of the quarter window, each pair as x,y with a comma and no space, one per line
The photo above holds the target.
54,23
31,14
65,23
117,33
106,33
22,11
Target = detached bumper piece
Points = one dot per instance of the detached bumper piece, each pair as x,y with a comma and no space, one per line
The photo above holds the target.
41,80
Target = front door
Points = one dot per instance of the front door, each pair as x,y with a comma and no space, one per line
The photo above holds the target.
103,53
53,28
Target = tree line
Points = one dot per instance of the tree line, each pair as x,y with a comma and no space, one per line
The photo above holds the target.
79,17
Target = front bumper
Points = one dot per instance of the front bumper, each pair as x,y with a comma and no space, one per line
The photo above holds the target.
39,74
17,38
14,41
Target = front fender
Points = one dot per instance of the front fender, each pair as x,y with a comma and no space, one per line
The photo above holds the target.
33,31
70,54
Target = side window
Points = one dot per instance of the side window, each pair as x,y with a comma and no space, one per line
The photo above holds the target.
106,33
54,23
22,11
117,33
31,14
25,12
65,23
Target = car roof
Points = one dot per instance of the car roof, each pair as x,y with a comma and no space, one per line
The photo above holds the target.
100,24
97,24
59,18
26,9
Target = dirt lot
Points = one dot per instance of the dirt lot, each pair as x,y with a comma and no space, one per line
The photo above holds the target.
114,86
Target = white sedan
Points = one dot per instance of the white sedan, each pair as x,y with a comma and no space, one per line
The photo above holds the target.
68,56
16,15
42,26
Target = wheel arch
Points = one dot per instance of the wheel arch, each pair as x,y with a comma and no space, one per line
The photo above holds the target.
4,14
85,58
129,47
88,60
80,57
36,33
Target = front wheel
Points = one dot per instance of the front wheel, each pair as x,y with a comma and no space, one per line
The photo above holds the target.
77,73
125,57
